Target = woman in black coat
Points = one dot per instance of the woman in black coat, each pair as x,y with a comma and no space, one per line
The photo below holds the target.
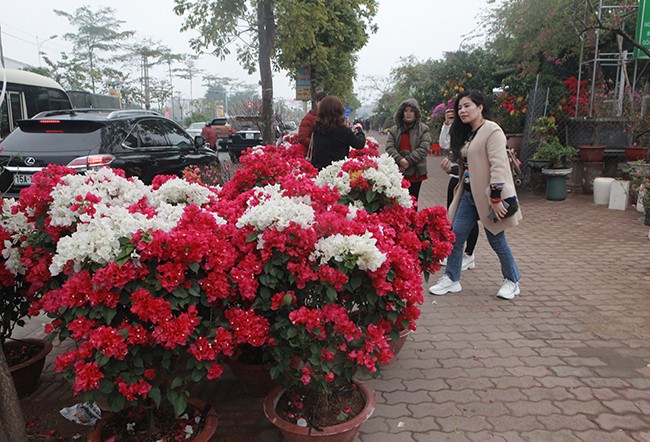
332,138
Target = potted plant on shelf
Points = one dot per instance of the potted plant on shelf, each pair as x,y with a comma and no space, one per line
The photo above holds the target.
338,260
25,357
550,150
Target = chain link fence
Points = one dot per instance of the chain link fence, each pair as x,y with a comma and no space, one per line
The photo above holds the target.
606,132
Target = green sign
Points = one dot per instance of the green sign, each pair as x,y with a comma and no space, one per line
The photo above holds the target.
643,28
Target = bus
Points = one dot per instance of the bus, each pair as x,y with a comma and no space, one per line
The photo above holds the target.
23,94
84,99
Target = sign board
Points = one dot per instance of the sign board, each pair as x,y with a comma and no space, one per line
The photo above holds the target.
347,111
643,28
303,83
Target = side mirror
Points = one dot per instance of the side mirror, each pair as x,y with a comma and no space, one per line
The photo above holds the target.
199,141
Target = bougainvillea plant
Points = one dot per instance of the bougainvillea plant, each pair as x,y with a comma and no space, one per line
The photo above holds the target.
157,284
340,256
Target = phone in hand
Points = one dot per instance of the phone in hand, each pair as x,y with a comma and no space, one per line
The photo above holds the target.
492,216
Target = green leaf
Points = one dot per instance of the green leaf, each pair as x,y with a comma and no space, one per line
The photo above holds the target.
370,195
180,404
117,402
251,237
194,266
177,382
331,294
154,395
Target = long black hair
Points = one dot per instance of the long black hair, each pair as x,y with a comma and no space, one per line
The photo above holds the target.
459,131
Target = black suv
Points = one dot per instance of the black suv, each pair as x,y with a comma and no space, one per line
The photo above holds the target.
244,133
142,143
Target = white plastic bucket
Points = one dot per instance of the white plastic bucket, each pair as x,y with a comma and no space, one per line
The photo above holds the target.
601,190
618,195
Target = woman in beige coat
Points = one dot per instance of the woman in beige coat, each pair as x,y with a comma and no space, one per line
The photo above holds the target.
486,192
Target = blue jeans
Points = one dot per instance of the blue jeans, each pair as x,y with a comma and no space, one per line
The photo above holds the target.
466,218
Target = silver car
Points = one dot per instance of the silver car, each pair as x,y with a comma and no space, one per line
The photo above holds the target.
195,129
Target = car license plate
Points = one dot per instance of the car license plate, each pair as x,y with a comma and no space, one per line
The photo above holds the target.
250,135
22,179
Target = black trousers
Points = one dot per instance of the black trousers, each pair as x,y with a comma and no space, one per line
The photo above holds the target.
414,190
473,235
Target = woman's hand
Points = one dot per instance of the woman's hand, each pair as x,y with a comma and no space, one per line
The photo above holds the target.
450,114
357,128
403,164
446,165
499,209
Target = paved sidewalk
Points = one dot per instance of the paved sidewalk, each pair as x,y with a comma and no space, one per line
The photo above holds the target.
567,360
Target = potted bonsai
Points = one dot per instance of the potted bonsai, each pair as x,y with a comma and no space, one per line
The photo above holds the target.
550,150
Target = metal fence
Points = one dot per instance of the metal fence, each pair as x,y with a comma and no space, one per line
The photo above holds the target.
608,132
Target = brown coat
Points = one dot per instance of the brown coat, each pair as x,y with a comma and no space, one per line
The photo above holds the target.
488,163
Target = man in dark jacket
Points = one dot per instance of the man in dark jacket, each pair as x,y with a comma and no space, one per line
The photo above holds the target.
408,143
307,123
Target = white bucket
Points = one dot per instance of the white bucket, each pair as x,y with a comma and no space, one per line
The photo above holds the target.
601,190
618,195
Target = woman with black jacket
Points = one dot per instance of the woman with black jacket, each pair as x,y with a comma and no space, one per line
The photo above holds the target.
332,138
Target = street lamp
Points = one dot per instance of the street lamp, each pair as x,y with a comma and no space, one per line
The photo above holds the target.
39,45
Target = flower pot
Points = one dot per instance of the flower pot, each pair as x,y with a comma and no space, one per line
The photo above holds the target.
514,142
344,432
255,379
210,423
27,374
396,346
592,153
636,153
556,183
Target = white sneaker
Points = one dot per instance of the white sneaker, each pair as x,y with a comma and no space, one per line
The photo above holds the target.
508,290
444,286
468,262
443,262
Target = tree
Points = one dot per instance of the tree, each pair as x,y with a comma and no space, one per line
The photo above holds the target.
12,424
324,36
97,32
283,31
149,53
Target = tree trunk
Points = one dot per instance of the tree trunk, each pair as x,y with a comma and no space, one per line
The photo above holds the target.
266,35
12,424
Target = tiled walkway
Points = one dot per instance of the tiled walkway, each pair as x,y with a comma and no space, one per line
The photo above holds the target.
568,360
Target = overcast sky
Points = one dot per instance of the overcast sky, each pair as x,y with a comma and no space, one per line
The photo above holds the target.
423,28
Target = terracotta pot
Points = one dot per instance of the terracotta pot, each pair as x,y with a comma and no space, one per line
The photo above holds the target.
345,432
27,374
592,153
255,379
636,153
209,425
396,346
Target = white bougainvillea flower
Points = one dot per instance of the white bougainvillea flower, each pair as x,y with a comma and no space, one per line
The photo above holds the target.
340,247
274,210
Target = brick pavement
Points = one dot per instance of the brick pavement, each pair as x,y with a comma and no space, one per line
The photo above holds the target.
567,360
